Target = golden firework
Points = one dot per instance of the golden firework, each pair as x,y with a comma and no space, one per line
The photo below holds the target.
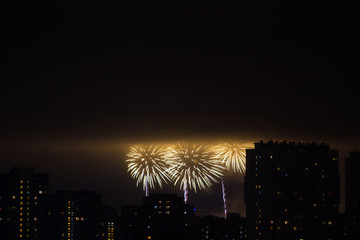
233,155
194,166
147,164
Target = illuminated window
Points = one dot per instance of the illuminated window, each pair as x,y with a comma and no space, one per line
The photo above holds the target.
148,237
21,187
21,181
286,222
167,207
13,197
316,164
285,210
160,202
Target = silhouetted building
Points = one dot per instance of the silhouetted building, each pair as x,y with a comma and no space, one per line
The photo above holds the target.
161,216
80,216
23,204
291,191
213,227
168,216
110,224
352,195
133,222
235,228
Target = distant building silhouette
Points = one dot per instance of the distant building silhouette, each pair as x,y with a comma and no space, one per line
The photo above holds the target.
161,216
80,215
23,204
352,195
292,191
166,216
235,228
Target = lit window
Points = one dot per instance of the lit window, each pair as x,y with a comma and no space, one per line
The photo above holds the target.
286,222
148,237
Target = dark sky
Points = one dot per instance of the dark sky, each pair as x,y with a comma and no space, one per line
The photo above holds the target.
82,80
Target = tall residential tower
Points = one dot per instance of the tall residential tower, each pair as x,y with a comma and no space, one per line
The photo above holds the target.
23,204
292,191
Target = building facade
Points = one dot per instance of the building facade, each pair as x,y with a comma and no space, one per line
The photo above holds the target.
292,191
352,195
23,204
81,216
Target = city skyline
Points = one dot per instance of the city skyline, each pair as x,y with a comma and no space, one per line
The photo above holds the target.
208,199
83,81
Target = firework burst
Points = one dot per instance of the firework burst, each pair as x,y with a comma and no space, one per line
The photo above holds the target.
147,164
233,155
194,166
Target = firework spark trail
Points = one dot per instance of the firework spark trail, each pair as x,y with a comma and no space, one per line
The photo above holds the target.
233,155
194,166
147,164
224,197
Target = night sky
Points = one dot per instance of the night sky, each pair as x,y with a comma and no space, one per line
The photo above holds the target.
83,80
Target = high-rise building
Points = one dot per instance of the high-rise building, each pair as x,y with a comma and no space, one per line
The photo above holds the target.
80,215
352,195
161,216
291,191
168,216
23,204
